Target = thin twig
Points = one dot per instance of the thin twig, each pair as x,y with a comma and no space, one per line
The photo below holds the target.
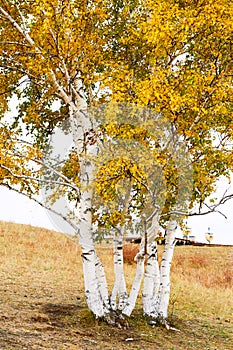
75,227
27,177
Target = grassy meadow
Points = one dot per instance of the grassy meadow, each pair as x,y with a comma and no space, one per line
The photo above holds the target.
42,302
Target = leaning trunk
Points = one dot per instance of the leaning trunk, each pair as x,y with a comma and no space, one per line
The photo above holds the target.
139,258
94,278
164,293
119,288
151,283
152,275
96,290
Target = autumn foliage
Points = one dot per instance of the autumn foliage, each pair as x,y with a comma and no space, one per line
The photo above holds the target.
174,57
145,89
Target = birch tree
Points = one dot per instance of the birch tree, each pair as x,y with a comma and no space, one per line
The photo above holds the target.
61,61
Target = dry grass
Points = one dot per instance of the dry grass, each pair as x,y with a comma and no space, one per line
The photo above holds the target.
42,303
211,267
129,252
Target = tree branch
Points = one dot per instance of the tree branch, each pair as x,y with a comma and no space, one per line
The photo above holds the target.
22,18
211,208
27,177
153,214
61,93
75,227
17,26
68,181
14,43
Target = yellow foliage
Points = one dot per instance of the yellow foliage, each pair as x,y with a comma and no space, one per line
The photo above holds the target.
173,57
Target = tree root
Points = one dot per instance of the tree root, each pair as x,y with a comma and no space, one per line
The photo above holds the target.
116,318
161,321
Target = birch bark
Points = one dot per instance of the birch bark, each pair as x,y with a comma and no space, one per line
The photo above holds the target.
96,289
94,281
164,293
139,258
119,288
152,274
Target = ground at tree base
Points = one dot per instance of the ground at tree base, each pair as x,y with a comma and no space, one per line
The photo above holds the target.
42,304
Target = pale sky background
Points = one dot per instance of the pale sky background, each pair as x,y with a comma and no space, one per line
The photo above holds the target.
17,208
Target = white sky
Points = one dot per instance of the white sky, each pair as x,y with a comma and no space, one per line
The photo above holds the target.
19,209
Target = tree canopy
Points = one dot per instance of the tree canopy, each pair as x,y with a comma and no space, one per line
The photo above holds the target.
145,88
173,57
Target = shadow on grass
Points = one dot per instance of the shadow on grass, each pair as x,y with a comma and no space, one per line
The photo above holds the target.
65,316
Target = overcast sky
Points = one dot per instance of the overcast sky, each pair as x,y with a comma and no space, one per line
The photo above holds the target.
17,208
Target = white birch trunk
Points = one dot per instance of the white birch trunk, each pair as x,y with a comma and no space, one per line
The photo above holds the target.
122,294
140,257
93,274
102,284
164,294
151,283
152,274
94,282
119,289
94,278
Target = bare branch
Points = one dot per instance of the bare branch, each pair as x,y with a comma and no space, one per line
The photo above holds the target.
68,182
75,227
211,209
214,210
153,214
207,212
27,177
176,212
226,198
